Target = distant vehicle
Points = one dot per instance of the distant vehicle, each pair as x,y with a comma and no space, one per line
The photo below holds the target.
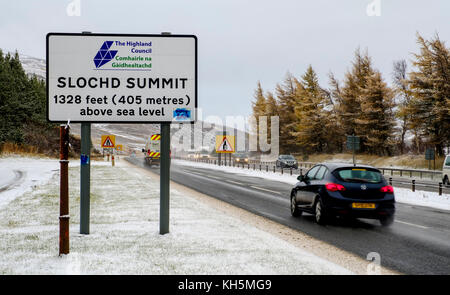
332,189
286,161
202,155
446,171
241,157
152,150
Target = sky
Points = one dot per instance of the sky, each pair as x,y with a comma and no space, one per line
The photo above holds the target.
242,42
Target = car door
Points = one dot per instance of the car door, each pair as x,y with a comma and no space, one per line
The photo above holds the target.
314,186
303,188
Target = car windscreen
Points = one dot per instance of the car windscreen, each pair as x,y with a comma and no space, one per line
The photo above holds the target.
351,174
447,161
287,157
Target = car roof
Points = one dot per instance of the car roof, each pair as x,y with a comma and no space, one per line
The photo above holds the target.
336,165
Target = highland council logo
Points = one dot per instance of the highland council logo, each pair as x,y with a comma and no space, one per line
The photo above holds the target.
104,55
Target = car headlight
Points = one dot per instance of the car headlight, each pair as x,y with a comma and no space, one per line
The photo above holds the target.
246,160
237,159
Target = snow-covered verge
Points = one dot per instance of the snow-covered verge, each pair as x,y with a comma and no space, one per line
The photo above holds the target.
402,195
125,237
19,175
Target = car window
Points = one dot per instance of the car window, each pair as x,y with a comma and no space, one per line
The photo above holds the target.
359,175
321,173
312,172
447,161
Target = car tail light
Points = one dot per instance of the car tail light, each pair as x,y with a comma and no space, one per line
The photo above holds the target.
387,189
333,187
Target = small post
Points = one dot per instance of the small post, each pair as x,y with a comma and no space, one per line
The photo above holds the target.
291,170
267,168
440,188
64,190
112,160
413,185
390,180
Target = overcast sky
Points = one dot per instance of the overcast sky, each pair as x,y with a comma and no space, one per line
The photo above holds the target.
243,41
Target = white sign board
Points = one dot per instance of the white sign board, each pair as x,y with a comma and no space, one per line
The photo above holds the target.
121,78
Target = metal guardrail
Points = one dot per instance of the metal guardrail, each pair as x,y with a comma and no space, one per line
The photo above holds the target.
270,166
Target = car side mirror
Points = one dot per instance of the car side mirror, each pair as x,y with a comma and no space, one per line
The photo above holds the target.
143,150
301,178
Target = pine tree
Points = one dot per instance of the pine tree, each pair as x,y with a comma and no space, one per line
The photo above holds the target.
404,98
287,100
429,86
376,121
355,82
271,111
259,109
310,114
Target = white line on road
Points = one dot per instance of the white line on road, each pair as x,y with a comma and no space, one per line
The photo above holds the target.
264,189
412,224
235,182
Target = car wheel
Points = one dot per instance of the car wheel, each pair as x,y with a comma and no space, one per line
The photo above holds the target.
294,209
320,212
445,181
387,221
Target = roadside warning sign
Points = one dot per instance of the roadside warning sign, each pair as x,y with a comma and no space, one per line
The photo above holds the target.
108,141
119,147
224,144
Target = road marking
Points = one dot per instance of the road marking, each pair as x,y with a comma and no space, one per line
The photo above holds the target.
412,224
264,189
235,182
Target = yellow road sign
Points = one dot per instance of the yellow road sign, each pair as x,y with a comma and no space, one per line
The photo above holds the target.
119,147
224,143
108,141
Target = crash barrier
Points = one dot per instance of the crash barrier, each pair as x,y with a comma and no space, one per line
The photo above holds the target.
304,166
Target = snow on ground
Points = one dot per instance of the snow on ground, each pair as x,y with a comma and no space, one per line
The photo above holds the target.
402,195
125,235
19,175
422,198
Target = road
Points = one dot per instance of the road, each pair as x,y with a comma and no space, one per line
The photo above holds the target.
417,243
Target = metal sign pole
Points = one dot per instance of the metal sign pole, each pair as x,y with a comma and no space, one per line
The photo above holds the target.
354,147
164,179
164,176
85,175
85,178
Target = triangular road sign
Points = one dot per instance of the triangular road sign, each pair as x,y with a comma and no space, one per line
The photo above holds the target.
225,145
108,143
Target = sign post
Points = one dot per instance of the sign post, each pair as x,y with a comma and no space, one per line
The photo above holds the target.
353,144
429,155
85,176
123,78
225,144
64,190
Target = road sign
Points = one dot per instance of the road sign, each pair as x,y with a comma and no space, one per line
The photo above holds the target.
119,147
108,141
225,144
353,142
121,78
429,154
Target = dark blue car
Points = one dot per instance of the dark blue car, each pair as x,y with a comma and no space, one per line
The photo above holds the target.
332,189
